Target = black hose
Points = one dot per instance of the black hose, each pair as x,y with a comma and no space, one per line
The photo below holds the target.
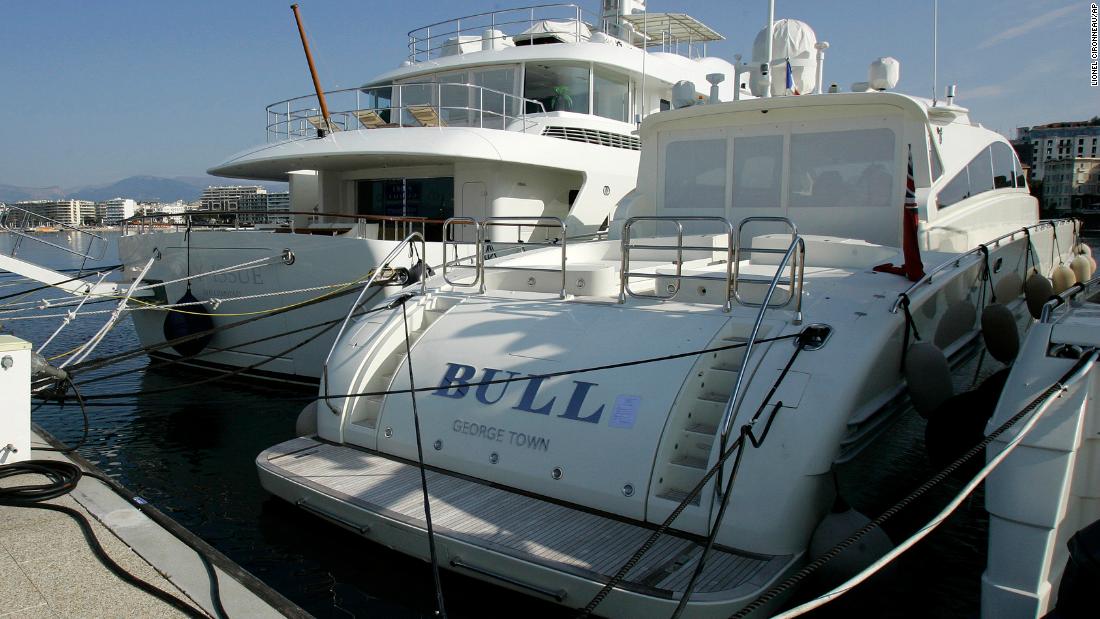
62,478
83,413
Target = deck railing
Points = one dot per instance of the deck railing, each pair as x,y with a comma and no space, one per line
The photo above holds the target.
429,104
496,29
390,227
27,224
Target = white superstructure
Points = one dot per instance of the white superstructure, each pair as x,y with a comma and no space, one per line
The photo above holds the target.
524,113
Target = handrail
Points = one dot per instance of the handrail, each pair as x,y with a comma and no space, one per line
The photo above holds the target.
370,282
189,217
624,254
957,260
795,280
520,222
479,255
733,404
1066,296
397,105
87,254
422,42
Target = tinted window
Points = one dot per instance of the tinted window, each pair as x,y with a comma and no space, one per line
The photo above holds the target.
956,190
842,168
611,95
1021,181
757,170
559,86
980,169
1004,171
695,174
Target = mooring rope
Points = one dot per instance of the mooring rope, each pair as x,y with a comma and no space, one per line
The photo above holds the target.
1042,400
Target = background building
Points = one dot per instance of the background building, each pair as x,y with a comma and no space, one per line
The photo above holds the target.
228,198
1040,145
1072,185
271,205
111,212
70,212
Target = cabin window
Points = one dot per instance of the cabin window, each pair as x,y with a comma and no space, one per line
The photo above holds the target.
980,170
1004,170
559,86
429,198
695,174
610,95
757,171
955,191
1021,180
843,168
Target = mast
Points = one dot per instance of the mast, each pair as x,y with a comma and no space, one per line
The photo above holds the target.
312,71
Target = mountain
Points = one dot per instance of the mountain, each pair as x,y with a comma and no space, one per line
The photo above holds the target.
13,193
140,188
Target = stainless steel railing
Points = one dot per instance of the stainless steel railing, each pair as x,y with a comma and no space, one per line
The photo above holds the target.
495,29
733,250
390,227
22,223
378,270
428,104
796,248
976,253
1065,298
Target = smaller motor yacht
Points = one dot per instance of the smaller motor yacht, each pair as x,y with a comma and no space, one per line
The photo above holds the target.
655,420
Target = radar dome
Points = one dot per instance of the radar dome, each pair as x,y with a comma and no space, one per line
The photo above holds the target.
883,73
794,40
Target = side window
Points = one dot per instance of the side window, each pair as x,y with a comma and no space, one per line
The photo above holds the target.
980,169
956,190
1021,178
695,174
1004,170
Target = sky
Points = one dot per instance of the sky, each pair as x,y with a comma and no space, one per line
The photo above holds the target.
92,92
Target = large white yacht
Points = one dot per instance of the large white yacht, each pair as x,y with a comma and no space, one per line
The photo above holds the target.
704,369
521,113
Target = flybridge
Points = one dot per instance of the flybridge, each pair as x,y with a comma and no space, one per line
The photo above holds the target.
624,22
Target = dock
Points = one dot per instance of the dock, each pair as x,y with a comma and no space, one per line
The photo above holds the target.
47,568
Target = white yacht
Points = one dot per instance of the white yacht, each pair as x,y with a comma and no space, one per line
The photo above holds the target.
526,114
705,369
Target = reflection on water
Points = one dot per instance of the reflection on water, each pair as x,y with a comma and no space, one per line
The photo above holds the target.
190,452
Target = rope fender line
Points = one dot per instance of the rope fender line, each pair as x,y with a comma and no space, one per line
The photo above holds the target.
501,381
1059,386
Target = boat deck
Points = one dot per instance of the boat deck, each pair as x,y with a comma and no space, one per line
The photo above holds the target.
526,528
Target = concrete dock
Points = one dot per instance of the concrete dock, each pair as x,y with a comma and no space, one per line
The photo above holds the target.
48,570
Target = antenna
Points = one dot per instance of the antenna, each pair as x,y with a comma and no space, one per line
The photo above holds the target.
935,49
771,34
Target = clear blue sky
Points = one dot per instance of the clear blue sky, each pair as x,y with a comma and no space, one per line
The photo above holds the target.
96,91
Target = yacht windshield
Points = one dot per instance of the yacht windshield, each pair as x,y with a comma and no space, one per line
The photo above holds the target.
842,168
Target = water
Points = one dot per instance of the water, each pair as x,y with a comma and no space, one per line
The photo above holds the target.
190,452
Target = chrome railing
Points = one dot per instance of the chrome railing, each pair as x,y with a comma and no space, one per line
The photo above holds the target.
378,270
625,274
429,104
796,248
390,227
1066,297
484,247
495,29
733,250
975,253
24,224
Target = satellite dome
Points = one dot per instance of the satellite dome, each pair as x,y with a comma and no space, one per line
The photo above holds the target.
794,40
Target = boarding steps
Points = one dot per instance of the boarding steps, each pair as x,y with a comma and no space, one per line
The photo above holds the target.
386,360
692,429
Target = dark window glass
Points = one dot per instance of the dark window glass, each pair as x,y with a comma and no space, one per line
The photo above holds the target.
980,169
430,198
956,190
1004,171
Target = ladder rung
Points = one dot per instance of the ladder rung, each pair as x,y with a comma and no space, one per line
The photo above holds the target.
678,247
763,250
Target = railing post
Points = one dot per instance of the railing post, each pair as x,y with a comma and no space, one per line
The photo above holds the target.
481,107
